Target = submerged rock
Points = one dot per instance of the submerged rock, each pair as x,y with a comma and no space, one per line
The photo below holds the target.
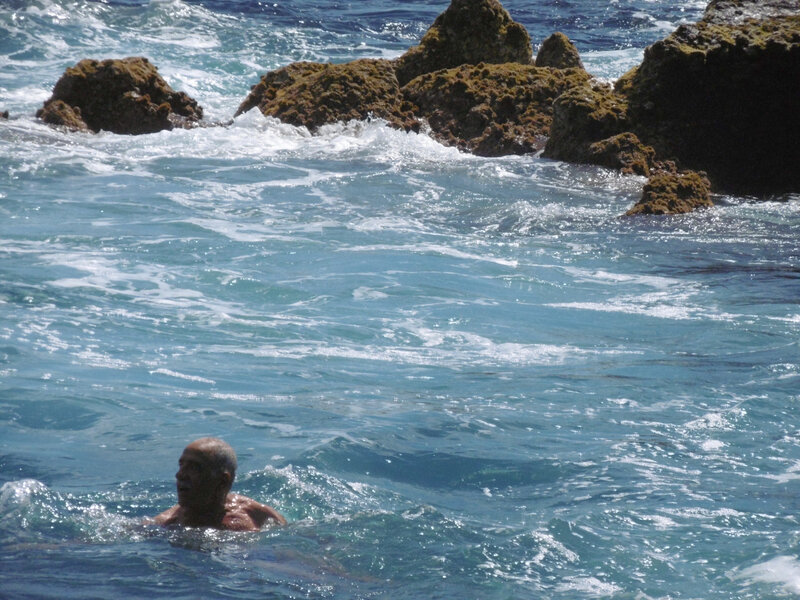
723,98
312,94
468,32
125,96
490,109
673,193
558,52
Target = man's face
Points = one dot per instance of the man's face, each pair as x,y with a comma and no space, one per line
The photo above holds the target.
196,481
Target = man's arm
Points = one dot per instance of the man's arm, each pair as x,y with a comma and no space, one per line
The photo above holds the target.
168,517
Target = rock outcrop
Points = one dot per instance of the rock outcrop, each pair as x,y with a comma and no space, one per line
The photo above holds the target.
558,52
468,32
719,96
490,109
4,114
125,96
723,98
673,193
313,94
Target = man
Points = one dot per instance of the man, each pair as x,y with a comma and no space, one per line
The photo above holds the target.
205,475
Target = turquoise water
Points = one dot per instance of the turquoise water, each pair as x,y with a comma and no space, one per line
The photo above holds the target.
458,377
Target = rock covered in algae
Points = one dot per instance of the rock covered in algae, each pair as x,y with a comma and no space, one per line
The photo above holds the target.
723,98
731,12
558,52
584,115
126,96
467,32
312,94
491,109
623,152
673,193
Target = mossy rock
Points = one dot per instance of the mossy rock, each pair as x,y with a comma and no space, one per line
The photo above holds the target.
125,96
723,99
558,52
311,94
491,109
468,32
731,12
673,193
62,115
583,115
267,89
623,152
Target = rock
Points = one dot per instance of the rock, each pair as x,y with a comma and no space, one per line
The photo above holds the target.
468,32
584,115
673,193
731,12
311,95
267,89
491,109
623,152
61,114
125,96
4,114
558,52
723,98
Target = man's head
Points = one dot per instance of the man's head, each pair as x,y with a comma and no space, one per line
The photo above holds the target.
206,471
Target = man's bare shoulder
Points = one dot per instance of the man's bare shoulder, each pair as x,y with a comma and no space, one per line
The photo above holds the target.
243,513
171,516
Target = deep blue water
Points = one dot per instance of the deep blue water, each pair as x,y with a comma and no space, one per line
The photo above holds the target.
458,377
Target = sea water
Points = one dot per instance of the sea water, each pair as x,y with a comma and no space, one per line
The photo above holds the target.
457,377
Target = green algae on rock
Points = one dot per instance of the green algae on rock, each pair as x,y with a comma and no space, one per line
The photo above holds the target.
723,98
267,89
491,109
673,193
467,32
623,152
311,94
583,115
558,52
125,96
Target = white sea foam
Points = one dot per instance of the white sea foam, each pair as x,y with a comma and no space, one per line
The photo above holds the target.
179,375
784,571
589,586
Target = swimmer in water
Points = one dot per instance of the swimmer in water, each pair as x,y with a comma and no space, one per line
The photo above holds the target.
206,471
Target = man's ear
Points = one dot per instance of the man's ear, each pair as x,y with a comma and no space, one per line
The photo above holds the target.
226,479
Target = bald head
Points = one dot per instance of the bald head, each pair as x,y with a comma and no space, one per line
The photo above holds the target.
220,454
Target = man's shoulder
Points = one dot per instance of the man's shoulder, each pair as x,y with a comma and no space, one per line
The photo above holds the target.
170,516
244,510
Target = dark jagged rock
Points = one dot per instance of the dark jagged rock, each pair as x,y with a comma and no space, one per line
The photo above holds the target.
623,152
125,96
723,98
558,52
4,114
468,32
584,115
311,95
490,109
673,193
